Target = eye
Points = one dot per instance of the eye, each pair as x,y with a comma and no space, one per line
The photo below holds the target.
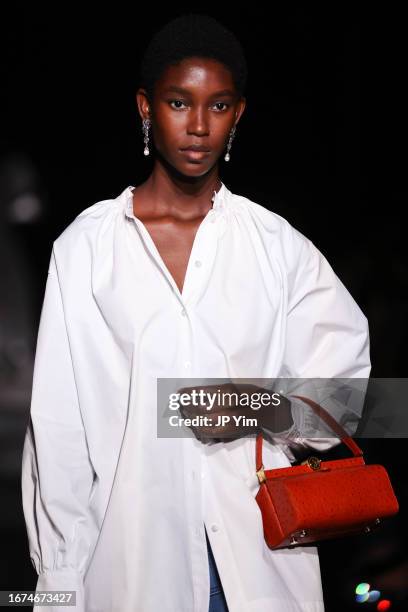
171,101
227,105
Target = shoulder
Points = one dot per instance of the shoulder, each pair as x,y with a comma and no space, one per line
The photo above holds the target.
279,234
85,230
86,221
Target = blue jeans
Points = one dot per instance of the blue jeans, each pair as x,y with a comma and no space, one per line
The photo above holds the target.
217,597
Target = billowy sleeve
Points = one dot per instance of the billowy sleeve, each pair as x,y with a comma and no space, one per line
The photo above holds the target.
326,354
57,475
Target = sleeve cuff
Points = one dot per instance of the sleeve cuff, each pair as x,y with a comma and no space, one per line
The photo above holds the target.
61,580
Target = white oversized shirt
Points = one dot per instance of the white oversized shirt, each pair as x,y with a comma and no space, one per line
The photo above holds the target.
112,510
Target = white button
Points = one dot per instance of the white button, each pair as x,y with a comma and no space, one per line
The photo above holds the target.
214,527
187,364
202,475
193,475
198,263
184,313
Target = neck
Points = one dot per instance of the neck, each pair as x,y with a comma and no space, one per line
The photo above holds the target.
178,195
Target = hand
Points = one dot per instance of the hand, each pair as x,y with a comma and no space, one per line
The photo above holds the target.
233,410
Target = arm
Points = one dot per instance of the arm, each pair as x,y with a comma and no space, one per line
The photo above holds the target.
57,475
327,338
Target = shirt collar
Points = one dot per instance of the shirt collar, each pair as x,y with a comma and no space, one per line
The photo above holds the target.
219,199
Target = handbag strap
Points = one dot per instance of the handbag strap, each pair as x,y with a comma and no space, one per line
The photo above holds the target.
331,422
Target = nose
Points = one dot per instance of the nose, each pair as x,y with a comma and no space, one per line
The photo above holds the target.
198,122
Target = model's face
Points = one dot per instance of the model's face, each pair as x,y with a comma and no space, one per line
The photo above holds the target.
195,103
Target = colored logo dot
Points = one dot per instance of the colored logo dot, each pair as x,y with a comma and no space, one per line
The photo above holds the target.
384,604
362,598
362,588
374,595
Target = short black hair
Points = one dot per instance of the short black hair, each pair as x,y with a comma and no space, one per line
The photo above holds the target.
192,35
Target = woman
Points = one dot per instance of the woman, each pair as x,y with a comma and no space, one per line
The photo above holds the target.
178,277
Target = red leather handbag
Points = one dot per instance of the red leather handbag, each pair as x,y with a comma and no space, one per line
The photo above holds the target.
318,500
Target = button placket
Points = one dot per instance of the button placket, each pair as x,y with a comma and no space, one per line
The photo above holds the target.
205,249
206,234
193,458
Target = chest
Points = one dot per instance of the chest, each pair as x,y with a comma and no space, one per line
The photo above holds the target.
174,242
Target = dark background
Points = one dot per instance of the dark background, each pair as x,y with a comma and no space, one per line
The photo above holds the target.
321,142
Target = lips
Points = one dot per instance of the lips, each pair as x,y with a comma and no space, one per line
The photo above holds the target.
194,154
199,148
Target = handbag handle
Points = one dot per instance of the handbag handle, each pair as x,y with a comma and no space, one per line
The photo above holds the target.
331,422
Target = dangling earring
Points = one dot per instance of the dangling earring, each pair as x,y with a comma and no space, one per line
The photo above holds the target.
231,137
146,124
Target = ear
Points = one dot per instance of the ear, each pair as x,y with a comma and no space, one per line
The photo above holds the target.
240,109
143,103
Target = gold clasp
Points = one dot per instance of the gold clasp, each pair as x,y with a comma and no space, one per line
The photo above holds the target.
261,475
312,462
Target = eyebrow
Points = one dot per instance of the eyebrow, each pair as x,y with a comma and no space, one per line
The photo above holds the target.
223,92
